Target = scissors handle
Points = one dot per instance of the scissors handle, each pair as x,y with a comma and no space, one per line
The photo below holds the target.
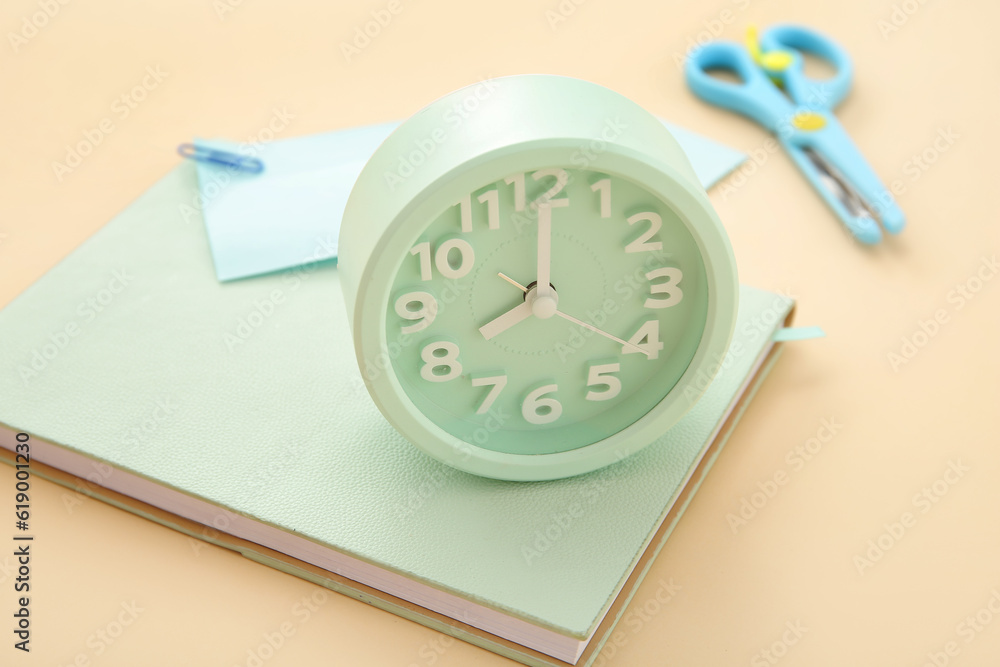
807,92
755,96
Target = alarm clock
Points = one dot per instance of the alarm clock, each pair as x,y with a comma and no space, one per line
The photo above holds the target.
533,278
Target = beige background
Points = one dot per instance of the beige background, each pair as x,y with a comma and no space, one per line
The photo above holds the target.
229,64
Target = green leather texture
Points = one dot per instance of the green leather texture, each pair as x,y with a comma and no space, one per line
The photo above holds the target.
247,394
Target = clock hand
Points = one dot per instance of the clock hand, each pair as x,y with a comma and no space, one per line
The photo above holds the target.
497,326
573,319
542,287
513,282
596,330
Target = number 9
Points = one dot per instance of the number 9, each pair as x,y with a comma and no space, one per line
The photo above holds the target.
425,313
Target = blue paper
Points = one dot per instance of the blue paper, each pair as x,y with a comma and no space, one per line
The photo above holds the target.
290,214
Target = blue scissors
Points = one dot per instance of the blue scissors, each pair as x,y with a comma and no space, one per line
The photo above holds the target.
775,92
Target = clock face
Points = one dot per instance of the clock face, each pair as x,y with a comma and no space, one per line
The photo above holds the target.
546,311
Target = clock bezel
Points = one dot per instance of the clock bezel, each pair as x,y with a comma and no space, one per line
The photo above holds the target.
649,172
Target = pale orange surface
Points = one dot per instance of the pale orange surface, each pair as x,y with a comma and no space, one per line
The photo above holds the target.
789,579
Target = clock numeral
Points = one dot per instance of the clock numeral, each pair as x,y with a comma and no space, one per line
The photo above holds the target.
539,410
498,382
517,180
492,200
602,375
642,243
423,252
444,258
448,359
425,313
562,178
603,188
671,287
647,339
465,212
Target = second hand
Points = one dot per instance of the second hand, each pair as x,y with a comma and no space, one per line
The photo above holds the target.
576,321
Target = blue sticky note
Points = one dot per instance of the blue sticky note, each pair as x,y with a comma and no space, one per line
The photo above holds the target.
289,214
710,159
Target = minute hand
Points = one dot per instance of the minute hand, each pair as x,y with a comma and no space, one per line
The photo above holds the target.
603,333
544,279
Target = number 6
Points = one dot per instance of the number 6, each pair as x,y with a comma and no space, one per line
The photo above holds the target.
534,405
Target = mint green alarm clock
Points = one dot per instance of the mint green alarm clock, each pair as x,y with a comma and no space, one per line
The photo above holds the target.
533,277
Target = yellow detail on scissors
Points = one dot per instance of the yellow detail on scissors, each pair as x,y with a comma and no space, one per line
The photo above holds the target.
772,61
806,120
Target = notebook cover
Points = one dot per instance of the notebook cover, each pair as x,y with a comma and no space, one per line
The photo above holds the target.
247,395
398,606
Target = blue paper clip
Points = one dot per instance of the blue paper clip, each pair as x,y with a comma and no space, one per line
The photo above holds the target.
250,165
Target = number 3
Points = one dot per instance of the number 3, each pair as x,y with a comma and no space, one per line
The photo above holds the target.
671,287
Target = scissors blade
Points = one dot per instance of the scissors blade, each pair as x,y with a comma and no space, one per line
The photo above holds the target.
840,187
838,192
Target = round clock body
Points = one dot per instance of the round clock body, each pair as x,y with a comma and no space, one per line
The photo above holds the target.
534,277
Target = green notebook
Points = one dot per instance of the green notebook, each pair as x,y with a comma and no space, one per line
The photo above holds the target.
240,406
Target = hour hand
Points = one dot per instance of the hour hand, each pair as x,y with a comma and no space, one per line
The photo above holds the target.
506,321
